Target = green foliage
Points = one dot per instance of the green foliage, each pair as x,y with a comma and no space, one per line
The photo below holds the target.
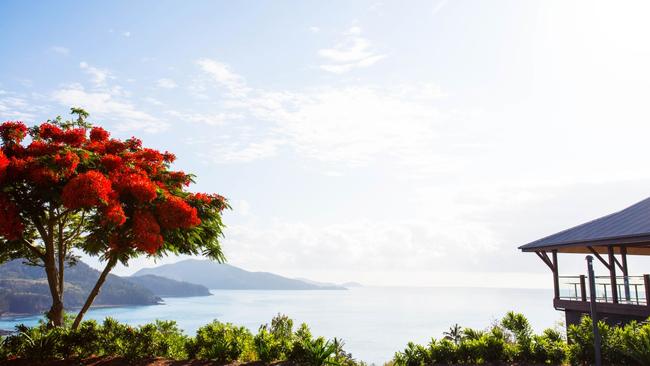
636,342
319,352
275,342
549,347
454,334
511,341
623,345
222,342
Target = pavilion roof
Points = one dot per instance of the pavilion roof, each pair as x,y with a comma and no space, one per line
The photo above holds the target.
629,227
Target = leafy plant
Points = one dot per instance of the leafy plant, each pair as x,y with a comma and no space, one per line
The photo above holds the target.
454,334
222,342
319,352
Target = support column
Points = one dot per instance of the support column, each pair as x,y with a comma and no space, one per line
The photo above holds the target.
583,288
612,273
626,279
556,276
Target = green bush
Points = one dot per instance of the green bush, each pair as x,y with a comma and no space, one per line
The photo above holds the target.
635,339
221,342
549,347
319,352
275,342
37,343
301,337
442,352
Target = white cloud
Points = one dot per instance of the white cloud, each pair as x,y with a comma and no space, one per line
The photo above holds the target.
227,151
222,74
349,125
353,52
314,29
98,76
104,105
126,34
14,108
215,119
166,83
367,246
60,50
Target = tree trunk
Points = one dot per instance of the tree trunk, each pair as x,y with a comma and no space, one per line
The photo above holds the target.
55,315
95,291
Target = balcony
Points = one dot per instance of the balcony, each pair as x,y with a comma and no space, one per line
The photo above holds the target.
620,295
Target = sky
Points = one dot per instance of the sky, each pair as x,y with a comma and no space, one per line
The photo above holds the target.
386,142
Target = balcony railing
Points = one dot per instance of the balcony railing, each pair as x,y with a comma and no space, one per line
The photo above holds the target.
631,290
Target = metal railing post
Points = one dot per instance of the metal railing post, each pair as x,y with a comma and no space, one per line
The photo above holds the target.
583,288
646,281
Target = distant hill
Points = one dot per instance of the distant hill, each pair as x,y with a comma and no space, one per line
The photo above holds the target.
329,284
224,276
351,284
167,287
24,289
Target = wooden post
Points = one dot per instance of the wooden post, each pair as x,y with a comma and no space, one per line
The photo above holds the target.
556,276
646,280
612,273
583,288
626,279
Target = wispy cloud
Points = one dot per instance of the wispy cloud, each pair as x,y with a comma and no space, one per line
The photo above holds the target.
99,76
166,83
351,53
221,73
108,107
346,125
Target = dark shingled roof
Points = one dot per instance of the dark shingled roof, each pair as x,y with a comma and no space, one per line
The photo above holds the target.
631,225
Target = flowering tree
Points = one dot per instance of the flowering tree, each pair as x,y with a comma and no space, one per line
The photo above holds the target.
66,185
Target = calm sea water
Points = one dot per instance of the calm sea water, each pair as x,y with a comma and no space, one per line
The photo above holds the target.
374,322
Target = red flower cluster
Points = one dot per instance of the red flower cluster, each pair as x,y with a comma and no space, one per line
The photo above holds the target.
11,226
13,132
130,189
86,190
111,162
146,232
209,199
134,184
175,213
114,214
4,163
98,134
66,163
49,131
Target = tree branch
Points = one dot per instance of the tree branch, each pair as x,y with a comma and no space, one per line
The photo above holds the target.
37,252
95,291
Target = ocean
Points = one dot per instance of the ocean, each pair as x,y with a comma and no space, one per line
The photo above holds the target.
374,322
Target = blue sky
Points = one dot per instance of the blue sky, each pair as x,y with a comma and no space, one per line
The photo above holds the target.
383,142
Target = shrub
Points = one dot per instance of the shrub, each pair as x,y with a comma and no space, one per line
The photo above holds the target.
301,337
319,352
521,331
549,347
443,352
614,343
275,342
222,342
635,340
267,346
37,343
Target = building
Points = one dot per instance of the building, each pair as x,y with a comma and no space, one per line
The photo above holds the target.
621,296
